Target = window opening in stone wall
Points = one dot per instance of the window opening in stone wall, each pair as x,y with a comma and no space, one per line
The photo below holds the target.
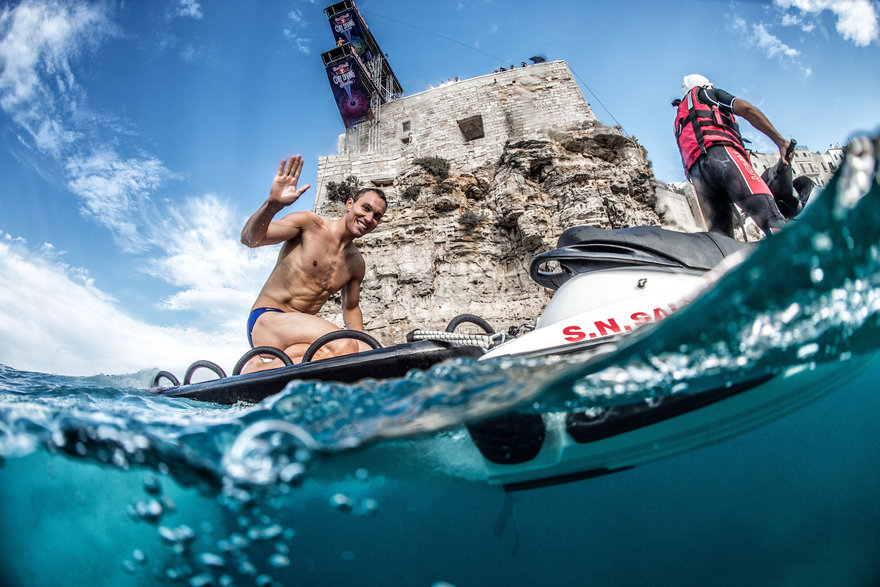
472,127
406,126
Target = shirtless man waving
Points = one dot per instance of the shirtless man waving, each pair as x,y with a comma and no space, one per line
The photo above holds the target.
318,259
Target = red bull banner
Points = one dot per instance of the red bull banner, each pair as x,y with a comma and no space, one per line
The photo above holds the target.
350,90
349,27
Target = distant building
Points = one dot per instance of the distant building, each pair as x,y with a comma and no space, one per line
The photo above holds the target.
819,167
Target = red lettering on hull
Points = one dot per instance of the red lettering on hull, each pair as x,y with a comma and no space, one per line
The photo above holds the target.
609,326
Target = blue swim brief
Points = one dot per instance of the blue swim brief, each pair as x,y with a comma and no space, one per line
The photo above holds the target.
252,319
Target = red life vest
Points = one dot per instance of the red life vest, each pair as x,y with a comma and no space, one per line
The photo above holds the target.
698,126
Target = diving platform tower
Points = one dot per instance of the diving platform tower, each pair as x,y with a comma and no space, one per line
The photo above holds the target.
359,73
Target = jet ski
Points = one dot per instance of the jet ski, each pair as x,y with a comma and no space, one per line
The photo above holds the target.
608,283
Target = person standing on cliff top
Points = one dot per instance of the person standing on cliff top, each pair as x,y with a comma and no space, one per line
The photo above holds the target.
318,258
716,161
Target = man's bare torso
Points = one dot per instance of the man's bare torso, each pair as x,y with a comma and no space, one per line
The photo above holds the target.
311,267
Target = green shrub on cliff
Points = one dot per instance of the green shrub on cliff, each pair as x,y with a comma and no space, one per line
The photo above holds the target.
436,166
342,191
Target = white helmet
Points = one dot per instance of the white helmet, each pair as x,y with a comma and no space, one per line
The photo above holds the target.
692,81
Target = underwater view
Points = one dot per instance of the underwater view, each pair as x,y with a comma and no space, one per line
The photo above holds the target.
104,482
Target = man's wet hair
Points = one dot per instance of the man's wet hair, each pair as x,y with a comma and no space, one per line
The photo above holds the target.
379,193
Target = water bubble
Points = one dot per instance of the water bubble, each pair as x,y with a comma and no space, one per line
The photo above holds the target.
367,508
149,511
341,502
362,474
807,350
151,484
817,275
179,536
201,580
267,452
238,541
442,584
821,242
247,568
292,472
263,581
168,504
264,533
120,460
209,559
139,556
129,567
347,555
58,438
279,561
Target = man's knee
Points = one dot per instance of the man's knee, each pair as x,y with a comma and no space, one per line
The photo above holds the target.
337,348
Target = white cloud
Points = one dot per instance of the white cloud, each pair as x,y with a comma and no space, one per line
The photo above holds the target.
298,21
115,192
770,44
40,93
296,16
60,323
301,43
38,89
190,9
759,36
857,20
217,276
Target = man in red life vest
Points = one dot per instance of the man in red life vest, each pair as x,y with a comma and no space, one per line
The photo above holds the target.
715,160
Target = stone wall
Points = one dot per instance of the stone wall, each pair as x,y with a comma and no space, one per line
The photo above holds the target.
509,104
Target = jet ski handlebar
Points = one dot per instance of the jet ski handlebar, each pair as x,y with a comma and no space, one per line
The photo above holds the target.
573,261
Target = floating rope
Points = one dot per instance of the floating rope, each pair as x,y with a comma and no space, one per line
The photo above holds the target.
484,341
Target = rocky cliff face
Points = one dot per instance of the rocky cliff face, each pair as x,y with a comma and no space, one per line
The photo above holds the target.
462,243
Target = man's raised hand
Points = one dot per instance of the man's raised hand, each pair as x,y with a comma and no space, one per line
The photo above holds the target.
284,190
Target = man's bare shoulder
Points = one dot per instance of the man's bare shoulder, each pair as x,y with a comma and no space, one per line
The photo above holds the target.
304,219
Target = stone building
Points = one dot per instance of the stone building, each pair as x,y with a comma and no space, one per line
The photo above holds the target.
481,175
819,167
466,122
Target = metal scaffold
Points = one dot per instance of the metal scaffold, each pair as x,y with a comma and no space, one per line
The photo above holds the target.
360,76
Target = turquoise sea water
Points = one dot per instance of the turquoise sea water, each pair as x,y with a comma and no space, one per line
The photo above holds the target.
103,483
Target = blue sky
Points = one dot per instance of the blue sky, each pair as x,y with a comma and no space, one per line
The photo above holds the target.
137,137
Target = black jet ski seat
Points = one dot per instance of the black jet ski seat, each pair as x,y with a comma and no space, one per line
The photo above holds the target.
581,249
